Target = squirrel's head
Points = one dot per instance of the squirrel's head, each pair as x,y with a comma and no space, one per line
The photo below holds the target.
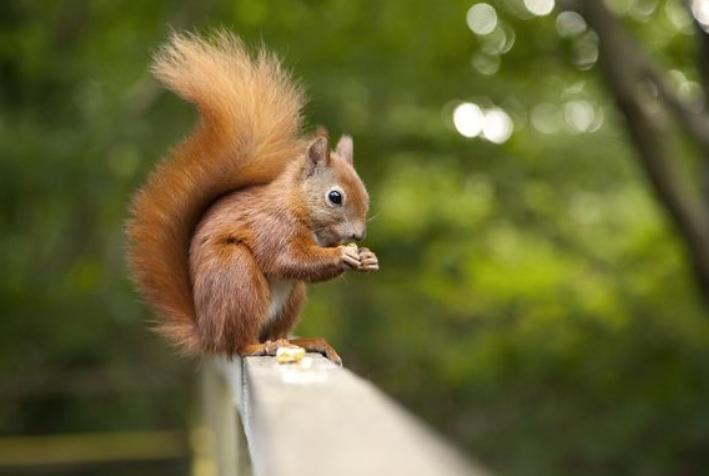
336,197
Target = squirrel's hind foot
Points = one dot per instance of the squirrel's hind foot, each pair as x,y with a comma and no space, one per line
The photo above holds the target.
319,345
270,348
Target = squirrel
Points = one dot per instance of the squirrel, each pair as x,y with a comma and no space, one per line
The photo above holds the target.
231,225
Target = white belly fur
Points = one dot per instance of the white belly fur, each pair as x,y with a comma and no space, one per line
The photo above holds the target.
280,291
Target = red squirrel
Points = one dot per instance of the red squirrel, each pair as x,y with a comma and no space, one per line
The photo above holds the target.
233,223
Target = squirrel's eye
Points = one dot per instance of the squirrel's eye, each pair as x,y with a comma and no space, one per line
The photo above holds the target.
335,197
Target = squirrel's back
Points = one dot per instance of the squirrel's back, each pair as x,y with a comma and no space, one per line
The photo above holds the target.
248,130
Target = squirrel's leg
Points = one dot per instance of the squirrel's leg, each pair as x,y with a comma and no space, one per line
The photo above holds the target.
284,323
231,296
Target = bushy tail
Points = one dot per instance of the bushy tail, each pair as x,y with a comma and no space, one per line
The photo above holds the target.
250,120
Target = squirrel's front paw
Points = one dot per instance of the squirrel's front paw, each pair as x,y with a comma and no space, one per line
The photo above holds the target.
368,260
349,257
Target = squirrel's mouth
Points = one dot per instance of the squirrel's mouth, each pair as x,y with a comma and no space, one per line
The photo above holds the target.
329,238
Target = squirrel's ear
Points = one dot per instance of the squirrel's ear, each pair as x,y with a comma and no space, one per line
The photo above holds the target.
345,148
317,153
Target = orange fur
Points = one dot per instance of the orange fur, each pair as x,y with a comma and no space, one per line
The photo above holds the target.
231,224
249,241
250,118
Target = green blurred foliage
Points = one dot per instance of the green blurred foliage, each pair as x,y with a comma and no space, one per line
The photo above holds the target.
534,303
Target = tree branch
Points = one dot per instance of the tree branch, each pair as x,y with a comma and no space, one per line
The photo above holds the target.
624,66
693,118
703,67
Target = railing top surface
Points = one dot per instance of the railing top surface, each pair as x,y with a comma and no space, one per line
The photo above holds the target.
324,420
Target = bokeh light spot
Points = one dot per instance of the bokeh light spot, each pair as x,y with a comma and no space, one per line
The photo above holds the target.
700,10
586,50
570,24
497,126
499,41
579,115
539,7
493,124
481,18
468,119
642,10
486,64
679,17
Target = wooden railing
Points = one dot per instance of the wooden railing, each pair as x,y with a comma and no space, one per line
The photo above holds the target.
313,418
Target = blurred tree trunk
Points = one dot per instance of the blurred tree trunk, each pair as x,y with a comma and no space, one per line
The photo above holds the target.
703,62
638,87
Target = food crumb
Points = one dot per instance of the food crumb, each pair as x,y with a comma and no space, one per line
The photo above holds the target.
289,354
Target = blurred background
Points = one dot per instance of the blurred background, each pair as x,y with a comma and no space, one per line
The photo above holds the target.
539,181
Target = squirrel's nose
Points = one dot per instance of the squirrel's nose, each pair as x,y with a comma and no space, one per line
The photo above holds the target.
358,236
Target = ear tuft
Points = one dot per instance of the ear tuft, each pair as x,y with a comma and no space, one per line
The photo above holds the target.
321,131
318,152
345,148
